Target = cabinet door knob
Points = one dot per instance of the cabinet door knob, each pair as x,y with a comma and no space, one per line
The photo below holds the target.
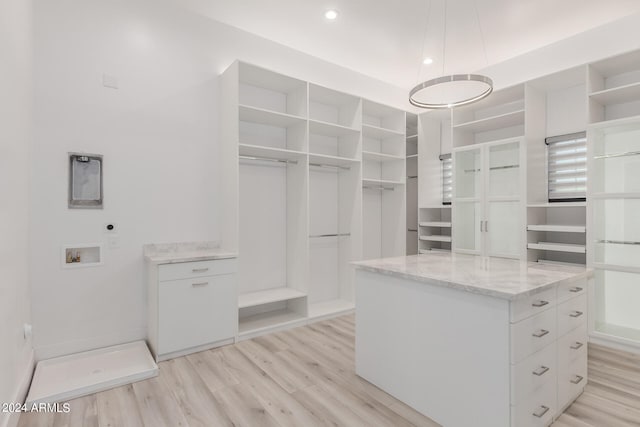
577,379
540,333
540,303
575,289
576,313
540,412
541,371
200,270
576,346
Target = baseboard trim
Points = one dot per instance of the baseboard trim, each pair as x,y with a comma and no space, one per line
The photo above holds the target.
23,389
78,346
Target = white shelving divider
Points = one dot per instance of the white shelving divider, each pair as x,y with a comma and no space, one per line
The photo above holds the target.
411,168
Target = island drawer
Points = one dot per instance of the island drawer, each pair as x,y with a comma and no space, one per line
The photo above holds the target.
537,409
571,381
532,334
572,289
571,314
533,373
572,346
533,304
186,270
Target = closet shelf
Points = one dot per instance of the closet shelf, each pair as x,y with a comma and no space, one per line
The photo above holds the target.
412,156
265,321
380,182
436,207
376,132
380,157
557,228
330,129
268,296
513,118
436,238
558,205
268,117
442,224
558,247
325,159
414,136
617,95
427,251
274,153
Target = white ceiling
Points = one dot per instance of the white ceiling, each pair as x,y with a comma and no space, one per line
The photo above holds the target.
388,39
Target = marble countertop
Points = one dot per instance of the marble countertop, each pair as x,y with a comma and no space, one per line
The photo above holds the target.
169,253
497,277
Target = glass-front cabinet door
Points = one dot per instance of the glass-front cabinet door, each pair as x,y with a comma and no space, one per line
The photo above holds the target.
504,213
467,206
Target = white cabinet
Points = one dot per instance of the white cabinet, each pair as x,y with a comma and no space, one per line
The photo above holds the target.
488,199
192,306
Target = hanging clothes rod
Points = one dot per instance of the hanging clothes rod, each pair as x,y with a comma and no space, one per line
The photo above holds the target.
411,229
269,159
618,242
317,236
504,167
608,156
324,165
371,187
412,176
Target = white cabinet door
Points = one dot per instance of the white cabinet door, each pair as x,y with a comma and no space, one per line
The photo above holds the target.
488,209
196,311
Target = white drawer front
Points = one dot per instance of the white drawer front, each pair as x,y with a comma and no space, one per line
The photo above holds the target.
572,289
533,373
529,306
184,270
571,381
537,409
195,312
571,314
572,346
532,334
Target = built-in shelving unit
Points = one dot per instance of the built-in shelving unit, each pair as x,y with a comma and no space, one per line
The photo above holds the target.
556,232
297,160
411,168
434,227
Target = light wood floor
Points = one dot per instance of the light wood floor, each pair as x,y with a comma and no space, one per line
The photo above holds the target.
305,377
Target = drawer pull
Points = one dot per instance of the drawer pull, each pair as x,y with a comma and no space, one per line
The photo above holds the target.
200,270
576,313
577,379
575,289
540,412
540,333
540,371
576,346
540,303
200,284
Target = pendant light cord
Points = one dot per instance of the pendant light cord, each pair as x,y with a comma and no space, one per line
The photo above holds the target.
484,44
444,35
424,41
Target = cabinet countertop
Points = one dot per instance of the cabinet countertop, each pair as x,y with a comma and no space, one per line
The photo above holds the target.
171,253
496,277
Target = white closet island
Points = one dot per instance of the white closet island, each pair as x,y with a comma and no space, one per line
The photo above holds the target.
473,341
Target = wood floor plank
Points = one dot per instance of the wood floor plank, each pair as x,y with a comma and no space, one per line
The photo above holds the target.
328,408
83,412
200,407
157,405
210,367
243,408
117,408
597,411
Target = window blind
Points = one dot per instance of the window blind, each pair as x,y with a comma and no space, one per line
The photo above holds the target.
567,167
447,178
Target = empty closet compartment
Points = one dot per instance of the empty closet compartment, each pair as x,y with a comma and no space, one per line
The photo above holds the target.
272,242
615,300
435,229
556,232
272,109
334,236
383,144
616,159
616,232
334,123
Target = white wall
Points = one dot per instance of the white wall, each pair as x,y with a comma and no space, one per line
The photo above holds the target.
15,137
158,135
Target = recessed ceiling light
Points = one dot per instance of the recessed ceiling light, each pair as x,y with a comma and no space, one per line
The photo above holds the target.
427,61
331,14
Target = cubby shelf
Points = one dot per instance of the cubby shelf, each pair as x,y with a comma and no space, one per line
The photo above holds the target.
268,296
436,238
370,181
380,157
266,321
558,205
617,95
558,247
330,129
268,117
441,224
557,228
269,152
379,133
505,120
